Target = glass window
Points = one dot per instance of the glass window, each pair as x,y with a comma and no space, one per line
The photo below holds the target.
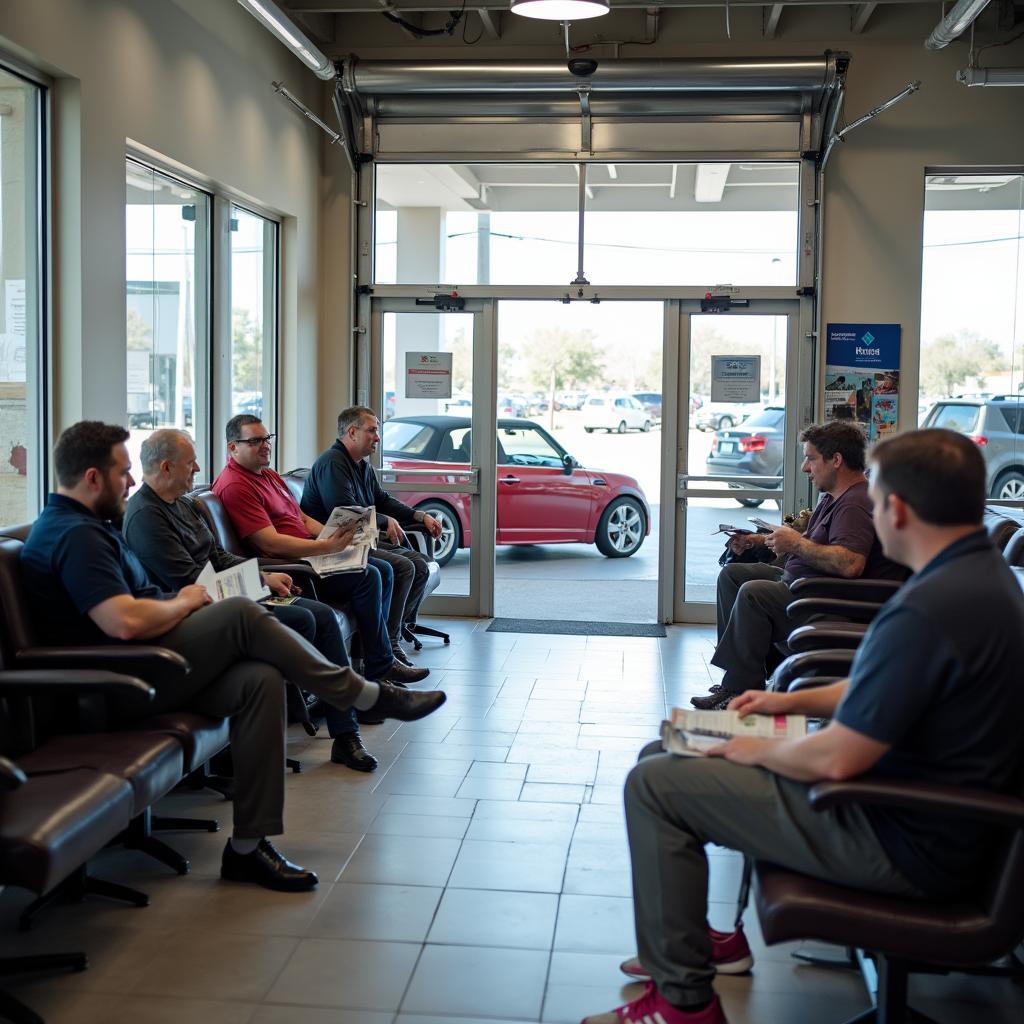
253,313
22,387
646,224
962,418
407,438
166,266
526,447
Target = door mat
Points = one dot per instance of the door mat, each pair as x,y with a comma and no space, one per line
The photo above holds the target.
563,628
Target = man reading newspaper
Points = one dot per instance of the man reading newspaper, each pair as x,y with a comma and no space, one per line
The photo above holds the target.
934,695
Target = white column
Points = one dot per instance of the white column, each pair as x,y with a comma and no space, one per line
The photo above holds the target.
421,243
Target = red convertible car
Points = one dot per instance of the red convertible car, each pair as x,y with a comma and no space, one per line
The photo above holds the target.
544,495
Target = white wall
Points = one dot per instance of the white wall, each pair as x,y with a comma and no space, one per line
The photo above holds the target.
190,81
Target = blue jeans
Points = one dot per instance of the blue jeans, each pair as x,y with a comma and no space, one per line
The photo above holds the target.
317,622
369,594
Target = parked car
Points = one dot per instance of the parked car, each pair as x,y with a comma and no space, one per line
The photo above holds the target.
614,410
756,448
651,401
996,424
722,415
459,407
511,405
389,404
544,495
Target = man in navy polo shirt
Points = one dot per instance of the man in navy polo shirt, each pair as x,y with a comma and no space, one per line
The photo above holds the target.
85,586
934,695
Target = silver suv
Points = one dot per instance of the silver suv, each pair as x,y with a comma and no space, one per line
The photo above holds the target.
996,424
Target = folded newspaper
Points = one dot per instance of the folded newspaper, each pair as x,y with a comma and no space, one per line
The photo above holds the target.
693,733
239,581
356,556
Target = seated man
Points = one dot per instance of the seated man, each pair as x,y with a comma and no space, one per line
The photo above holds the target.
85,586
839,541
342,475
174,543
270,521
934,695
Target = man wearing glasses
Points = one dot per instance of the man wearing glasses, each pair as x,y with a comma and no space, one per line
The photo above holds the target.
270,521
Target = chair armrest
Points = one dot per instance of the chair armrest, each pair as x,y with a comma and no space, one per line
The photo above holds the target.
875,591
41,683
959,801
291,568
803,609
11,776
826,636
420,539
144,660
812,682
811,663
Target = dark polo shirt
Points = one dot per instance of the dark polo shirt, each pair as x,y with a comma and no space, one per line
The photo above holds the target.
71,562
938,676
846,521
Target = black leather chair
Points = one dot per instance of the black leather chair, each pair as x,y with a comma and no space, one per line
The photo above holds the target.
903,936
418,537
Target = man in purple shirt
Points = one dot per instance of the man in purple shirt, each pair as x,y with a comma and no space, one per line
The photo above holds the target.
840,540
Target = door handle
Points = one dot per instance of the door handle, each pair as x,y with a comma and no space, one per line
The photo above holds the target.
509,480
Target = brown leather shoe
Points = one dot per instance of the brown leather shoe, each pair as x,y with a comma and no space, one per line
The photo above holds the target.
407,705
399,673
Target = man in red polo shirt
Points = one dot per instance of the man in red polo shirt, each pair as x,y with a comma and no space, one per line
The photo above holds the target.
270,521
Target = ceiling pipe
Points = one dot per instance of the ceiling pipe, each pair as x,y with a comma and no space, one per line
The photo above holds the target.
959,18
990,76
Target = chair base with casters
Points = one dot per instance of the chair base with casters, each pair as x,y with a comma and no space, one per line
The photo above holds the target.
14,1010
409,631
74,889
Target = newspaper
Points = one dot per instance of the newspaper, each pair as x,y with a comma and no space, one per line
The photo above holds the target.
356,556
693,733
239,581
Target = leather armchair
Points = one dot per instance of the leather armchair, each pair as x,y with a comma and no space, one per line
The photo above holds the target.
901,935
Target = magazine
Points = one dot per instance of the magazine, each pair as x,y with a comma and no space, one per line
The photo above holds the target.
356,556
239,581
693,733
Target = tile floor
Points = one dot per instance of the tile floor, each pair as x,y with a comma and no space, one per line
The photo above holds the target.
482,873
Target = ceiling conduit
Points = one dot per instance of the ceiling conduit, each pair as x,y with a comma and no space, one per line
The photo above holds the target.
955,23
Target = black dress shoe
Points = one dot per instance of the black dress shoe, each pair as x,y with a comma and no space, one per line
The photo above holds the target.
407,705
718,700
348,750
399,673
267,867
400,656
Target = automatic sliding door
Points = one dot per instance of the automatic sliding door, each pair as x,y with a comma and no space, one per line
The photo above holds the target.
436,408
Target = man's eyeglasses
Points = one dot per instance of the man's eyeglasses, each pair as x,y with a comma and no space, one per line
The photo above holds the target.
255,442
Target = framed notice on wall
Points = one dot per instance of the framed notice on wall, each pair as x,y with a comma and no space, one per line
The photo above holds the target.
862,376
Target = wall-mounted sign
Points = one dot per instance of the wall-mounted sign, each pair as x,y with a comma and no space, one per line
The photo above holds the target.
428,375
862,376
736,379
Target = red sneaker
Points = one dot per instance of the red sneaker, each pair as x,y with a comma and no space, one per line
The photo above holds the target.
730,954
651,1007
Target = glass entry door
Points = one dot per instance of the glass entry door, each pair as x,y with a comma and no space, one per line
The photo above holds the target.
738,456
433,387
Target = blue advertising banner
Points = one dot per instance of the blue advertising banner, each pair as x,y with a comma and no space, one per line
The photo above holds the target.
862,376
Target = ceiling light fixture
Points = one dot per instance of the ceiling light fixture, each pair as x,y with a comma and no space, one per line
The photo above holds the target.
561,10
267,12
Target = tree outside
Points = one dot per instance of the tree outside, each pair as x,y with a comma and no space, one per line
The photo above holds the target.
949,361
246,352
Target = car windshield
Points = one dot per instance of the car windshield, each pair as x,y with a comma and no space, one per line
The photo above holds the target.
962,418
410,438
595,401
766,418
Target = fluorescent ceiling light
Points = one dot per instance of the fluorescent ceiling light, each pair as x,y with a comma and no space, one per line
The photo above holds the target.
291,35
561,10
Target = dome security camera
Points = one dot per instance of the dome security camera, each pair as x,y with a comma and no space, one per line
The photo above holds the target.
582,68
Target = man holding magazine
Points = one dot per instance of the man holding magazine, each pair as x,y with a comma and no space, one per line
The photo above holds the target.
172,540
934,695
270,521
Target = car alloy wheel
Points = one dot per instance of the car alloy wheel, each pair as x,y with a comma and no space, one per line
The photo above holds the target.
621,529
447,544
1010,487
622,426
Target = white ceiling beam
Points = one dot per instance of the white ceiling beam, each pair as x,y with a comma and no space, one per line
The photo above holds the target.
709,183
859,15
770,23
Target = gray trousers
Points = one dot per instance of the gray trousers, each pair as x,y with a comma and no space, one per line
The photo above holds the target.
674,805
240,655
410,569
752,602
